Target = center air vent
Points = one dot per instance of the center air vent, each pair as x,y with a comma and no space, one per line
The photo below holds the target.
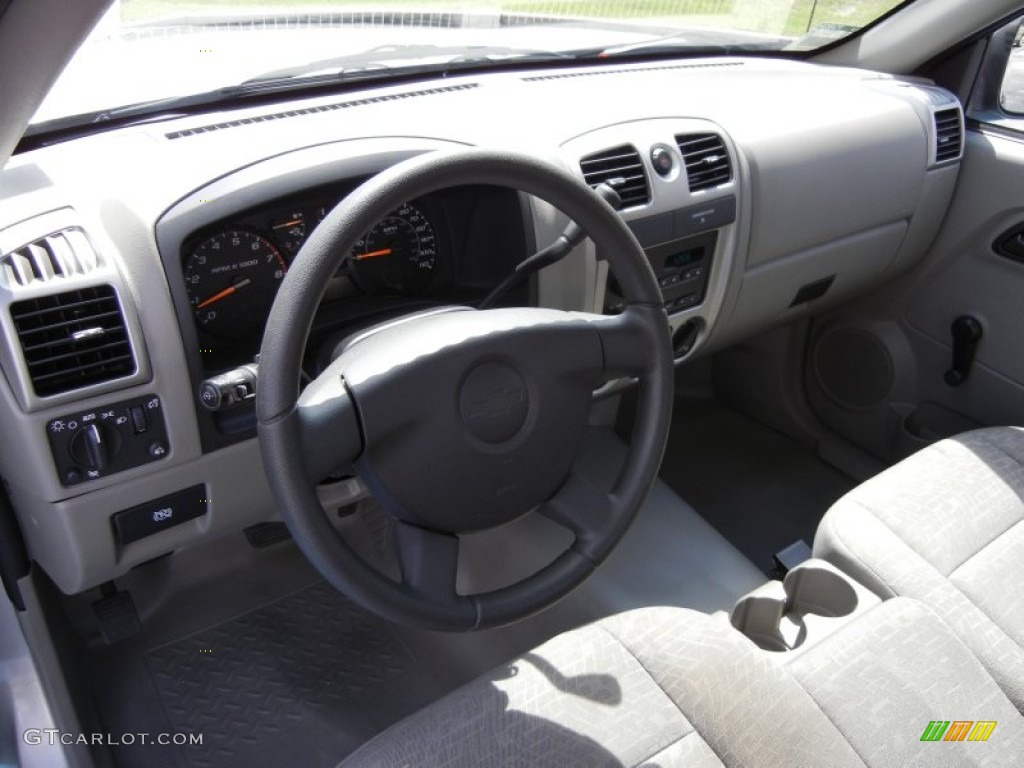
621,168
948,135
706,160
73,340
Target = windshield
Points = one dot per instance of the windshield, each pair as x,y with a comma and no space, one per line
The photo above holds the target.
149,50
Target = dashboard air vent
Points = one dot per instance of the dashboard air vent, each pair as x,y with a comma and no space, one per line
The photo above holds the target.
622,169
948,135
74,339
706,160
61,254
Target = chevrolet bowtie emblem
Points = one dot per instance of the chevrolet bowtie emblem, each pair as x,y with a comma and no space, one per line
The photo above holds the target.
500,402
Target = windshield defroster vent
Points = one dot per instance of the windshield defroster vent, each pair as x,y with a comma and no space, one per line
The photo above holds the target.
631,70
74,339
948,135
321,108
620,168
706,160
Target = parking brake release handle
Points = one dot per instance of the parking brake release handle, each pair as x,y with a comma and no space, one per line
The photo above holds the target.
967,332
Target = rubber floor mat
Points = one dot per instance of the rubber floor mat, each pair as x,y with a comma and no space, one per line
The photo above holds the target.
290,683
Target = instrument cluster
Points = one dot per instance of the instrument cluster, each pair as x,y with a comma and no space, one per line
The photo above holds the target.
232,271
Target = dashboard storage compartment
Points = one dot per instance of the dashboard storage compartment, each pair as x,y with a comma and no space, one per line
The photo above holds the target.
811,602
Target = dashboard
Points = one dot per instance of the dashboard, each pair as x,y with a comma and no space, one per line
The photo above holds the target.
761,190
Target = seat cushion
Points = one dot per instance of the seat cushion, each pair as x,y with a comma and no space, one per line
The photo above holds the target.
897,669
946,526
670,687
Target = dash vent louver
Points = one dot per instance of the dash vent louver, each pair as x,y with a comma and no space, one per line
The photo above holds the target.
706,160
948,135
73,339
630,70
622,169
61,254
303,111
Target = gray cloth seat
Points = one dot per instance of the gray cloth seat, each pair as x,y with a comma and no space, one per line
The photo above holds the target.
946,526
672,687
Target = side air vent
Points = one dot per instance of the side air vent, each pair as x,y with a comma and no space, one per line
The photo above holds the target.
948,135
73,340
706,160
622,169
61,254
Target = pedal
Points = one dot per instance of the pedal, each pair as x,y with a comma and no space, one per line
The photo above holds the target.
116,614
788,558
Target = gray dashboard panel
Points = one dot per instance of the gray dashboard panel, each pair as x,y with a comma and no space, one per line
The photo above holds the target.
805,140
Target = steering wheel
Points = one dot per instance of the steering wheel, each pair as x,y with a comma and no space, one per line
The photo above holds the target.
460,420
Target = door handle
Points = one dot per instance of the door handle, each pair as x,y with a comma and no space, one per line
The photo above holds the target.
1010,244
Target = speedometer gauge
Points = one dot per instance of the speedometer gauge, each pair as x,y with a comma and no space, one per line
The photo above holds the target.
232,278
398,255
290,230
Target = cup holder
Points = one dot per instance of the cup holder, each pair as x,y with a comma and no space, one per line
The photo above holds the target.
782,616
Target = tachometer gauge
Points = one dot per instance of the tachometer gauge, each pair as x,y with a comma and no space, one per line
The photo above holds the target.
290,231
399,254
232,278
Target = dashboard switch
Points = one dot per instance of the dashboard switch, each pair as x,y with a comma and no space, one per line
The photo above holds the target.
94,447
662,160
159,514
90,444
97,447
229,388
139,421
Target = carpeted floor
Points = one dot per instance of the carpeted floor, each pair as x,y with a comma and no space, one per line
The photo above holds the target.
759,488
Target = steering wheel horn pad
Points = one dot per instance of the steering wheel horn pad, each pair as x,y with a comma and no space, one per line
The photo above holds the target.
460,419
494,402
459,409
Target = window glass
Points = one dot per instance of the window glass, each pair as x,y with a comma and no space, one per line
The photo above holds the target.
149,50
1012,96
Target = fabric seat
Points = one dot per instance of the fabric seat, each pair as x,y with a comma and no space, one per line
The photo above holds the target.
671,687
946,526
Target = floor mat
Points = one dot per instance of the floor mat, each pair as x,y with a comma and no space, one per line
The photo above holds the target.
291,683
273,667
759,488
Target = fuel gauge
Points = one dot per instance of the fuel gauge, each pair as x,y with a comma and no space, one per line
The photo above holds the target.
290,231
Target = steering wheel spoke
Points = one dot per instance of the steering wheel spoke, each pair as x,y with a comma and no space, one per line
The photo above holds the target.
429,560
329,429
582,508
628,341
